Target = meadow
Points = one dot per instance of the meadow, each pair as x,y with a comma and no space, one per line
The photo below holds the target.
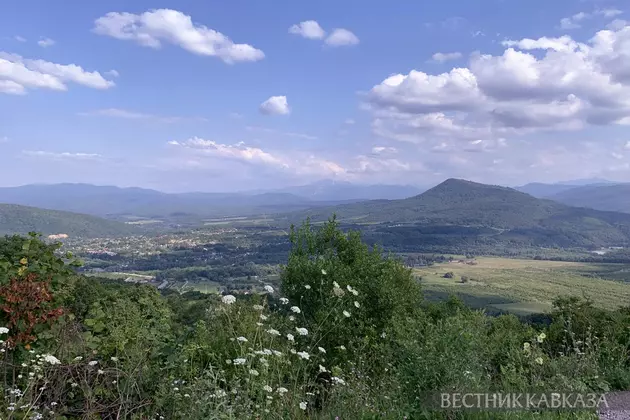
524,286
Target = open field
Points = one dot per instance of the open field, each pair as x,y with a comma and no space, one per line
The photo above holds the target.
527,286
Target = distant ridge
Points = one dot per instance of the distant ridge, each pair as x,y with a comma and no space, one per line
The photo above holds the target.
600,197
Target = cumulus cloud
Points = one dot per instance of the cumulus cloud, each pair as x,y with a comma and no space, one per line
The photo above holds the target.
152,28
308,29
46,42
18,74
440,57
565,85
341,37
275,105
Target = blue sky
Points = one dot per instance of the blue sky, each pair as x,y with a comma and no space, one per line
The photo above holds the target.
219,96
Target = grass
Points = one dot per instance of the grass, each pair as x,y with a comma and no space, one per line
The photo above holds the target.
528,286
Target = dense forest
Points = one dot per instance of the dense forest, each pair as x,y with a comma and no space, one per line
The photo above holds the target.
347,335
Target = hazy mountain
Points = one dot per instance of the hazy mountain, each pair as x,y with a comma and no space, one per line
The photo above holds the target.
23,219
329,190
600,197
511,215
542,190
114,201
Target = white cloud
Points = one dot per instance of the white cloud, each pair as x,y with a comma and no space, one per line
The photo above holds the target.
282,133
380,150
133,115
442,57
112,73
575,21
308,29
18,74
275,105
46,42
153,27
19,38
566,85
341,37
62,155
608,13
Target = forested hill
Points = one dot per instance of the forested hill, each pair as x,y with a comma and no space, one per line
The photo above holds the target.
600,197
23,219
511,213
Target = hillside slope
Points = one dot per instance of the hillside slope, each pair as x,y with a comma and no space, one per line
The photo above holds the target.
455,206
23,219
600,197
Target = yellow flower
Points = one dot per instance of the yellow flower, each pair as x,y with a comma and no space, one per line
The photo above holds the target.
21,271
24,261
526,346
542,337
539,360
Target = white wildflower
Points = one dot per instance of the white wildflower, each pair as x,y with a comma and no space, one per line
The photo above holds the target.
355,292
253,372
277,353
186,395
291,318
242,339
93,363
260,324
342,348
304,355
290,337
78,358
4,330
258,307
268,289
303,404
383,335
263,317
228,299
239,361
301,331
346,314
335,284
51,359
284,300
307,286
293,351
114,359
295,309
282,390
273,332
267,388
356,304
322,369
338,381
321,349
324,272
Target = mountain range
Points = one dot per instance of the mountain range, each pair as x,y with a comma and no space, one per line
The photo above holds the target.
108,201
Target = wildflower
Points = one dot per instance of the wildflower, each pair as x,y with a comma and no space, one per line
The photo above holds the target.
267,388
282,390
383,335
346,314
31,374
52,404
221,393
4,330
240,361
114,359
338,381
186,395
242,339
253,372
228,361
258,307
295,309
268,289
20,376
263,317
228,299
291,318
342,348
74,384
93,363
526,346
304,355
322,369
301,331
293,351
51,359
303,404
277,353
114,382
273,332
323,271
307,286
260,324
284,300
356,304
78,358
337,291
541,337
100,371
270,398
321,349
290,337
